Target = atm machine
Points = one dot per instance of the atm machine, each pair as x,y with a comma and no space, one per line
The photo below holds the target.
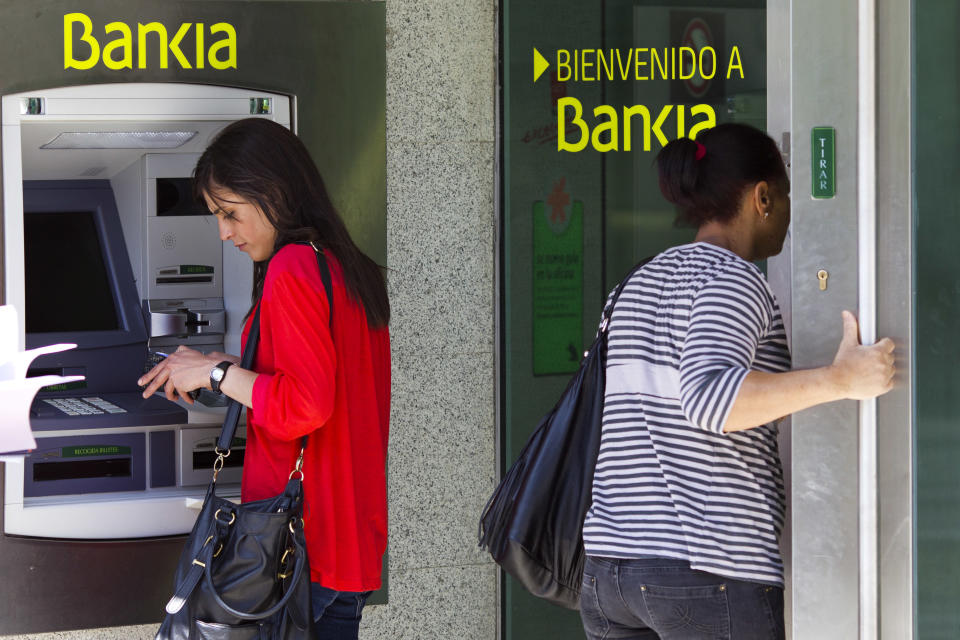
104,247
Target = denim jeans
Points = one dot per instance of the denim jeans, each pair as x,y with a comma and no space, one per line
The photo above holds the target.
661,598
336,614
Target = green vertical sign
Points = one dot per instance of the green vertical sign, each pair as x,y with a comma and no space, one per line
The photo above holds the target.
824,156
557,288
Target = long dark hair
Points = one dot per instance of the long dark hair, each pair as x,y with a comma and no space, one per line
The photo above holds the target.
266,164
706,178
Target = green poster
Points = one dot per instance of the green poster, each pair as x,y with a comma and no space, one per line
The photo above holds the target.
557,288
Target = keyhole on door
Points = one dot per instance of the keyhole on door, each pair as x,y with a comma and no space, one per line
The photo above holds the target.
822,276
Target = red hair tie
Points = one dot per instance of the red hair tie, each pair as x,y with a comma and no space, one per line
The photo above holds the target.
701,151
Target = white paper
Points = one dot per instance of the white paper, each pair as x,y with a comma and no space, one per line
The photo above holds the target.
14,365
16,390
16,396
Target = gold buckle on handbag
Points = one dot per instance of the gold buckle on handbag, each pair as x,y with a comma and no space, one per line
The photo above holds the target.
302,525
298,467
215,553
283,562
218,463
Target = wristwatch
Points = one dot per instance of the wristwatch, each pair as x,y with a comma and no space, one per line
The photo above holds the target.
217,374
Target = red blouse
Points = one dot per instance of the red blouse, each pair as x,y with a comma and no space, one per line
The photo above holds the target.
334,386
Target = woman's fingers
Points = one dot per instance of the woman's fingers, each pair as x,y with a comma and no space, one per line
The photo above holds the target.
870,369
150,375
170,391
886,344
183,395
171,374
865,371
156,378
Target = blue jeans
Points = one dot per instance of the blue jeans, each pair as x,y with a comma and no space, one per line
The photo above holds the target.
661,598
336,614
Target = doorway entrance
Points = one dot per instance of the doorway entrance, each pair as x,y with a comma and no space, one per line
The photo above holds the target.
581,204
870,541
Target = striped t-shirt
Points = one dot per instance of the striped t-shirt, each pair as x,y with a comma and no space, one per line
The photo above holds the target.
687,329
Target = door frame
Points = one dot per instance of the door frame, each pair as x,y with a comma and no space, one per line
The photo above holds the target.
849,545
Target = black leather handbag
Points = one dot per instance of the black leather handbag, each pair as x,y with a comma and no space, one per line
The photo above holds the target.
533,523
244,573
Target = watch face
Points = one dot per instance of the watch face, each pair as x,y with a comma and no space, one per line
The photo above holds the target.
217,375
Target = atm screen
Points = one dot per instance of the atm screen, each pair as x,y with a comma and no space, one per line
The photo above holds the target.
67,286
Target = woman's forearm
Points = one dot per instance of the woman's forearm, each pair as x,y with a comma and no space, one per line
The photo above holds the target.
765,397
858,372
238,384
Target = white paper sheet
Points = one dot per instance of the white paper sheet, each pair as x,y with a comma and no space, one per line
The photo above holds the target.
16,396
14,365
16,390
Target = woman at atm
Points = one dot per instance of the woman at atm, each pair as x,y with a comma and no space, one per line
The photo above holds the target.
313,375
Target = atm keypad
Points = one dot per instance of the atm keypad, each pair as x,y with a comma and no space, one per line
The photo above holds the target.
84,406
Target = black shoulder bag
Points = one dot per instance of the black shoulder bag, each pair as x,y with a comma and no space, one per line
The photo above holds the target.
533,523
244,574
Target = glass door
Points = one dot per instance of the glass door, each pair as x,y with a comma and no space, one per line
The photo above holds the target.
592,90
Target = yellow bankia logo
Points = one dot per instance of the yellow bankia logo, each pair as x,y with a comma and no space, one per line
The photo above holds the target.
117,50
613,131
615,127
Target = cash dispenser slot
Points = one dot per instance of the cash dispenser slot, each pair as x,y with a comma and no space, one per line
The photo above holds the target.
82,469
74,465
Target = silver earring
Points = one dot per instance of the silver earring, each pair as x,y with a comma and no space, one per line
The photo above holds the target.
766,214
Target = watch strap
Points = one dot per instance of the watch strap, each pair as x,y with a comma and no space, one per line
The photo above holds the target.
214,381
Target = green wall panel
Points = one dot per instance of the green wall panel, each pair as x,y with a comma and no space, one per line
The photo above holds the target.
937,227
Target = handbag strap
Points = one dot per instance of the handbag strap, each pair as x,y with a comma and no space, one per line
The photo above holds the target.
233,409
324,276
608,309
246,362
